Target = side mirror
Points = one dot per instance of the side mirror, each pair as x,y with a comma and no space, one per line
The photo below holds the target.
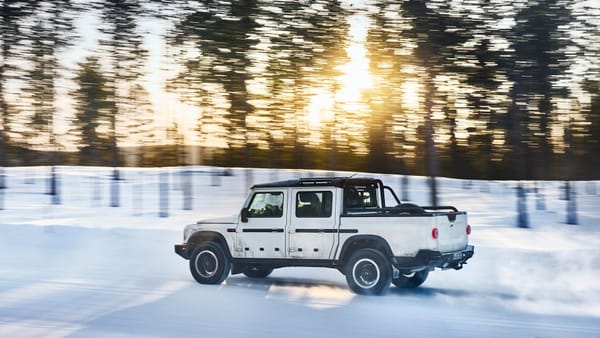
244,214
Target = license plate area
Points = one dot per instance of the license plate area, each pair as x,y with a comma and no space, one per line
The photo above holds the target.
457,255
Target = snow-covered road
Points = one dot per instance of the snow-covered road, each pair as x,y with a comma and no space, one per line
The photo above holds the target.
80,271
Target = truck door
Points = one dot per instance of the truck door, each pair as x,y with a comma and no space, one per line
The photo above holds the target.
263,235
313,223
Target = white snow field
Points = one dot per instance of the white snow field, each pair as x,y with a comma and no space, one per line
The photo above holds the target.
84,269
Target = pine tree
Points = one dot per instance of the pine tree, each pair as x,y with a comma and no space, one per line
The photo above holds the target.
437,35
126,57
535,66
12,17
390,135
139,121
92,102
223,34
51,32
539,45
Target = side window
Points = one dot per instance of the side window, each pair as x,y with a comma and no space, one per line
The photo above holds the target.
360,197
313,204
266,204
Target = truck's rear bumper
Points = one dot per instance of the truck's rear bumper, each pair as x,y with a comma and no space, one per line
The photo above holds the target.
182,250
435,259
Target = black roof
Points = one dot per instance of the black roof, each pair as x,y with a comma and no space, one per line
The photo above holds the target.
319,181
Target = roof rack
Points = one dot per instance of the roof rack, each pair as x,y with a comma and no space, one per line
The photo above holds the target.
336,181
317,180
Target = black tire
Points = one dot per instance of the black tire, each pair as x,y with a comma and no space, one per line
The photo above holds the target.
209,264
411,282
257,271
368,272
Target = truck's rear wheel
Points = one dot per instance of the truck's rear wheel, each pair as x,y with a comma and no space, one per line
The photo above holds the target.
368,272
209,264
257,271
411,281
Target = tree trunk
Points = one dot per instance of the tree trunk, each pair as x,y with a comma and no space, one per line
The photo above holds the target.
569,190
187,188
518,148
429,141
571,204
114,186
3,104
163,194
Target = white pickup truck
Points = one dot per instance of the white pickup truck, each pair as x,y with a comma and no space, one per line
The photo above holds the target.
343,223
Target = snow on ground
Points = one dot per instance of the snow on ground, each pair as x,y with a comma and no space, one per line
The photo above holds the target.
82,268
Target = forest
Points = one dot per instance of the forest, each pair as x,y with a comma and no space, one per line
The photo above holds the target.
469,89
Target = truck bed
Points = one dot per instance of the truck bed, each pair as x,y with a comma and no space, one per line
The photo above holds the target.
417,225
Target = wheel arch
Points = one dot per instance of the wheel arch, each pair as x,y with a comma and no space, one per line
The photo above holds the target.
358,242
200,237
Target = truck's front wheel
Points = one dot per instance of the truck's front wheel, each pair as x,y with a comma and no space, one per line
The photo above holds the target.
209,264
368,272
411,281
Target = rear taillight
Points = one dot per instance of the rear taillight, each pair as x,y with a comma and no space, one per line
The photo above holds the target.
468,230
434,233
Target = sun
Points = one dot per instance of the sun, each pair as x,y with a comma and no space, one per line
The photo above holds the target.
355,78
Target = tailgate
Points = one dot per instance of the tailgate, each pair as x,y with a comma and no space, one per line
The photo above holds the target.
452,231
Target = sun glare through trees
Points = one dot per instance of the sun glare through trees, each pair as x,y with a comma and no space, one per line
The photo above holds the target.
465,88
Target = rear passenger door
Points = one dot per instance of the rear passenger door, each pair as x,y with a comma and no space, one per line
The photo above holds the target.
313,225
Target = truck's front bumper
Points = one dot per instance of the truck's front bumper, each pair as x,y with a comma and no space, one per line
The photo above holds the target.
435,259
182,250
